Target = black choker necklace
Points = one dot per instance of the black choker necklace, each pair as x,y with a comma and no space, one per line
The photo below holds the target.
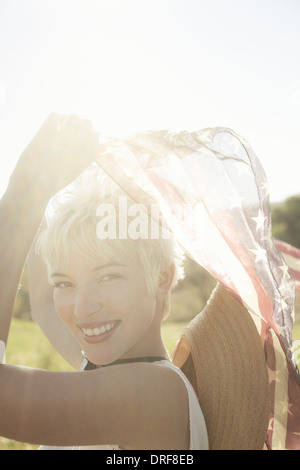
91,366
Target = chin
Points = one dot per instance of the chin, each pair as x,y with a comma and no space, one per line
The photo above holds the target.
101,359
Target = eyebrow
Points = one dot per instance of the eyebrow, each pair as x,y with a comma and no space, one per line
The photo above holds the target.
59,274
98,268
108,265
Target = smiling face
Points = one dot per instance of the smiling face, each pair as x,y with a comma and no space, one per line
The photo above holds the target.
107,307
112,293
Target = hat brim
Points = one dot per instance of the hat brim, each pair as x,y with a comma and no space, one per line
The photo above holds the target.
221,353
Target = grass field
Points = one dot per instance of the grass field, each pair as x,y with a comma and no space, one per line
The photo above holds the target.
28,347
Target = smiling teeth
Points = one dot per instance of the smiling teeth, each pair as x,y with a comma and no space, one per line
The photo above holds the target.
98,331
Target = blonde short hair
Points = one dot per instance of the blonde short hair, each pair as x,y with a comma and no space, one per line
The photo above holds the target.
71,220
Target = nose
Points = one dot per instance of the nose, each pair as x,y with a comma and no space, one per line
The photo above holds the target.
86,302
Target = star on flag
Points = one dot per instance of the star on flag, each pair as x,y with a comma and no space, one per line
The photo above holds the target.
284,268
260,220
285,407
260,253
282,303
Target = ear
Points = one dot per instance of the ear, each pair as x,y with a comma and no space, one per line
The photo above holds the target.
166,280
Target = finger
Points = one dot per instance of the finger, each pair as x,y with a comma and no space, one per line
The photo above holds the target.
47,130
52,119
87,125
68,124
50,124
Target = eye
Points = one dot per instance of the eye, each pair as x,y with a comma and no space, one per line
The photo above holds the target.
62,284
108,277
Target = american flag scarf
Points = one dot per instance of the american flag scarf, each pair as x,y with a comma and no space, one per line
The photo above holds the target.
213,195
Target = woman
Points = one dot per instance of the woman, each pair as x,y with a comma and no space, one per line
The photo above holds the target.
111,294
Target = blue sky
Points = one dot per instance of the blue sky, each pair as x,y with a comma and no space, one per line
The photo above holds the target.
141,64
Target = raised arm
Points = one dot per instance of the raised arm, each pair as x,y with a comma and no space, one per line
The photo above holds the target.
136,405
43,311
62,148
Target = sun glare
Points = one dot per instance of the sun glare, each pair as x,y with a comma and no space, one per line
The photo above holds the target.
99,70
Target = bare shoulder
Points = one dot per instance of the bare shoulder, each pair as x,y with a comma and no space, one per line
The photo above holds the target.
158,404
137,406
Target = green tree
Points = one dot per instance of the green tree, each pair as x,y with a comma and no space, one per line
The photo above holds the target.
286,221
191,294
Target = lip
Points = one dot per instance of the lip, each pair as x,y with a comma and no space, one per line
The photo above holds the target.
101,337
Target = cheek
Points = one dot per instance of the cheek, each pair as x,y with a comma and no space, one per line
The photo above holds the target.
63,306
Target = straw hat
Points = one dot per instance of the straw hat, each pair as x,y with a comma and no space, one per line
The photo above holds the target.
221,353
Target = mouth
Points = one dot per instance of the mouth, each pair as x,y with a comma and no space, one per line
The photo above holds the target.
99,333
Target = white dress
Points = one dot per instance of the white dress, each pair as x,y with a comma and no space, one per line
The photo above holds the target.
198,432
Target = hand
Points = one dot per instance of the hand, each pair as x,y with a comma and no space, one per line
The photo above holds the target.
62,148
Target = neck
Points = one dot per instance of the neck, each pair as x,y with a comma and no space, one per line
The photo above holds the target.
91,366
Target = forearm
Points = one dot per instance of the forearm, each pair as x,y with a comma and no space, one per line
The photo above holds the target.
59,152
21,211
43,310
